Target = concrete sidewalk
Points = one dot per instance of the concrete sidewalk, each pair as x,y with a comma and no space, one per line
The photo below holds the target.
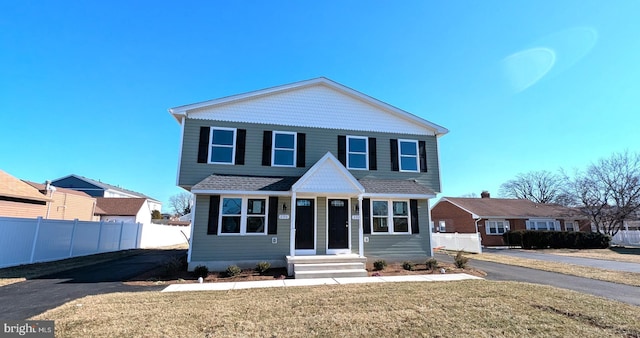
315,281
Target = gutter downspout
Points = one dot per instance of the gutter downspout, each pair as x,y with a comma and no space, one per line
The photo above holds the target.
478,234
360,228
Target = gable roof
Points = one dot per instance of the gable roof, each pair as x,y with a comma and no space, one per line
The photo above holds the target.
509,208
42,187
107,186
14,188
328,175
119,206
318,103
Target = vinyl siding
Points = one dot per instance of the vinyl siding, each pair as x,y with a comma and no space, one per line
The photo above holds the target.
236,248
22,210
321,242
318,142
402,247
69,206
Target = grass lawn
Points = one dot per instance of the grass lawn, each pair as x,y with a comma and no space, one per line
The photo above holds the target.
621,277
410,309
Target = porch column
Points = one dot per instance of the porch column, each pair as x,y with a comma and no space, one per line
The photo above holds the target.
360,228
292,240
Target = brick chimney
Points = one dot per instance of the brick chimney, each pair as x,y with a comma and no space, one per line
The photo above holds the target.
485,194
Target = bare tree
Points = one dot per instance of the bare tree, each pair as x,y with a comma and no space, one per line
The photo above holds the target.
537,186
608,192
181,203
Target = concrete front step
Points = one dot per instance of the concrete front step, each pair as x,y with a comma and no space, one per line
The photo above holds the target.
328,266
331,273
326,259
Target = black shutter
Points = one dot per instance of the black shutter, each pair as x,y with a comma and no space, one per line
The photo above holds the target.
241,140
273,216
394,155
300,156
203,145
415,225
373,156
366,216
422,150
342,149
214,208
266,148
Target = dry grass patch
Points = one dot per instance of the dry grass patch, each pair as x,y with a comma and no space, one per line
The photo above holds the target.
466,308
620,277
29,271
629,255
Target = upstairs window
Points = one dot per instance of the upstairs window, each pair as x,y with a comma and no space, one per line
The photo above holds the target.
223,145
357,152
408,151
284,149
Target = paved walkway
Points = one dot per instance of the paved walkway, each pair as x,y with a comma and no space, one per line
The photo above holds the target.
315,281
590,262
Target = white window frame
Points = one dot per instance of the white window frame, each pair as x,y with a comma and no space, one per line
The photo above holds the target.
366,152
273,148
390,217
493,223
233,146
576,226
442,226
532,224
400,156
243,216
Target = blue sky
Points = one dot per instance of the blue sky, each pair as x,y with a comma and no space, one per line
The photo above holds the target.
521,85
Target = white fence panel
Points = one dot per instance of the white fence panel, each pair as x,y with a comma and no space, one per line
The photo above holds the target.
25,240
627,237
157,235
16,240
456,241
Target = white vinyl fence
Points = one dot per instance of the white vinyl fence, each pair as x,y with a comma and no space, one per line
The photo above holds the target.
626,237
28,240
456,241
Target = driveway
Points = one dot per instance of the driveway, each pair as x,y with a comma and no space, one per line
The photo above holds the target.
502,272
29,298
590,262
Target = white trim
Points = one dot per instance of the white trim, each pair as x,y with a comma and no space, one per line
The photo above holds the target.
366,152
233,146
182,120
390,217
303,252
400,155
241,192
273,148
430,227
360,227
193,225
328,157
181,111
292,225
342,250
506,226
532,223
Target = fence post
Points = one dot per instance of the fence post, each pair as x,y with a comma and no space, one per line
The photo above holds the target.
35,240
120,239
99,236
73,235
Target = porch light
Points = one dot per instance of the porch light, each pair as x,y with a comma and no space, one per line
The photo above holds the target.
356,208
284,207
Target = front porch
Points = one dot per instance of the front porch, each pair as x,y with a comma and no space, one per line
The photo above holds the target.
327,266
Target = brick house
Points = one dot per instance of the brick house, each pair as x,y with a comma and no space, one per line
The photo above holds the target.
491,217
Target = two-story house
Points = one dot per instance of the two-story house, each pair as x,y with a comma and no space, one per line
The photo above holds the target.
307,174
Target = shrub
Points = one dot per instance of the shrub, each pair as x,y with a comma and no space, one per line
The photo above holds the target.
460,260
432,264
233,270
262,267
201,271
379,264
175,265
410,266
532,239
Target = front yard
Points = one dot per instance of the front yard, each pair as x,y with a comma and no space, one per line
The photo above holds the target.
436,309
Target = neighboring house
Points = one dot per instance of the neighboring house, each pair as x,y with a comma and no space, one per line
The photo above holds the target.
19,199
306,169
491,217
100,189
66,204
119,209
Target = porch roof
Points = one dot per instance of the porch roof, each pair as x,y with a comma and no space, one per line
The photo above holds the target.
282,186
